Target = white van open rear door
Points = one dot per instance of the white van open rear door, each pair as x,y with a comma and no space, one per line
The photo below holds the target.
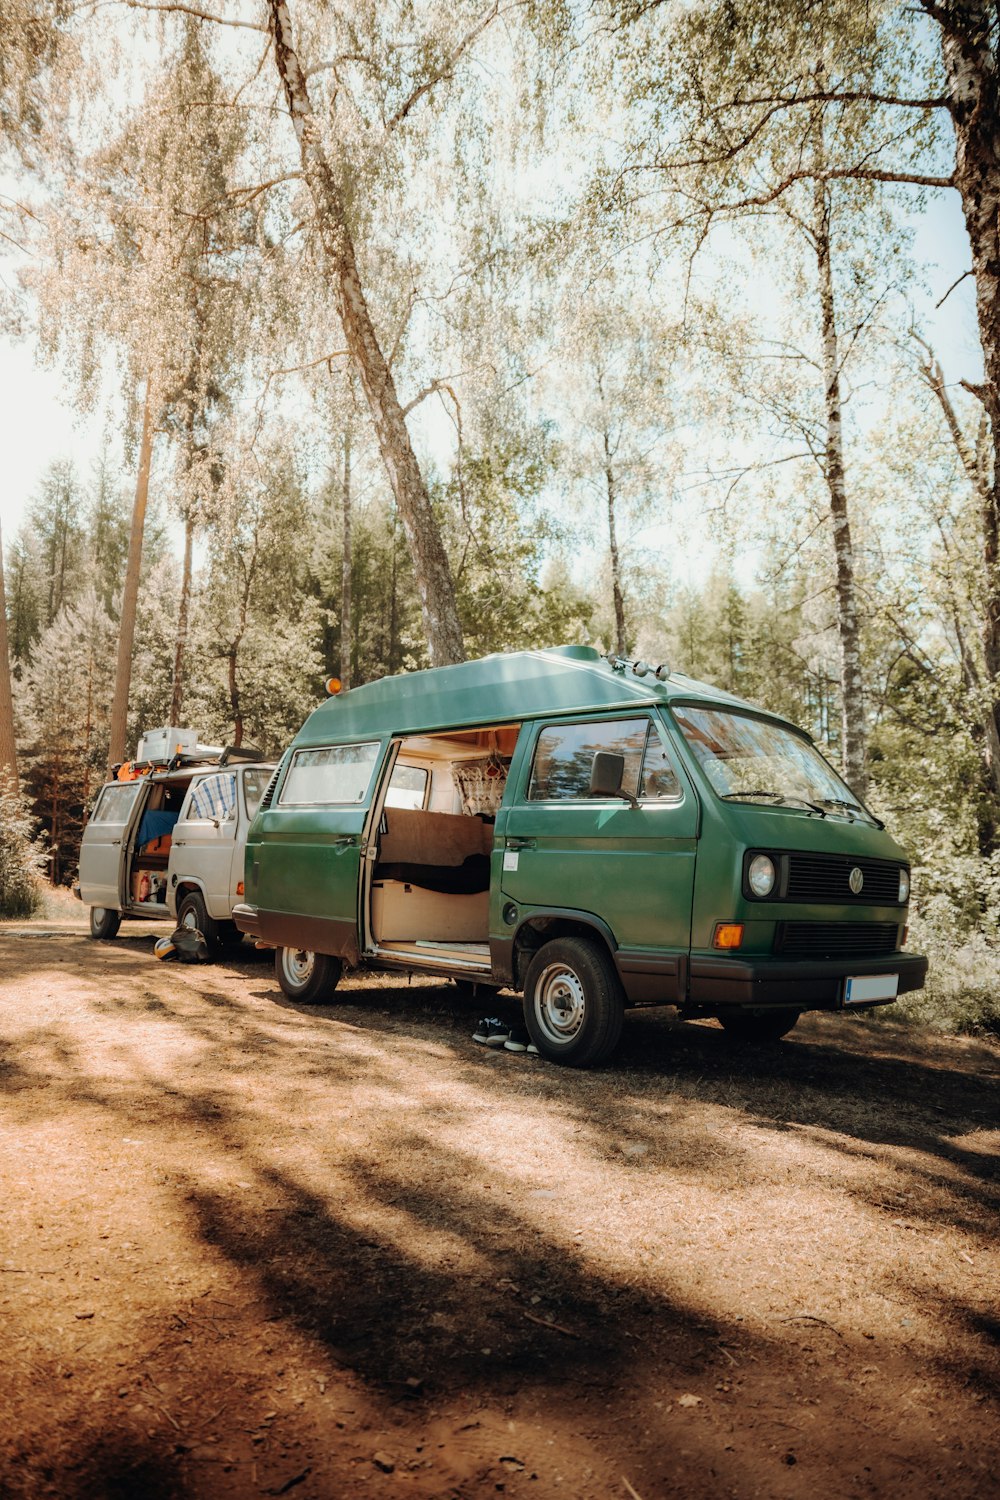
101,867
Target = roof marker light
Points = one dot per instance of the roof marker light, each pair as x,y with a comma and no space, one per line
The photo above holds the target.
334,686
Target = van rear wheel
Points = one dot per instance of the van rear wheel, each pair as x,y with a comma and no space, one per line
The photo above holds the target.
305,976
749,1026
104,923
574,1006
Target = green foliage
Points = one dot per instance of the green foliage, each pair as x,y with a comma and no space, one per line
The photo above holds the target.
498,539
21,856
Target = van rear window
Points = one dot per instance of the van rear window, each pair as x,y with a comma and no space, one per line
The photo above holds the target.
337,774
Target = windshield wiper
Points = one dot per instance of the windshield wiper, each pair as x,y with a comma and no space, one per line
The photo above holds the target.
852,807
785,797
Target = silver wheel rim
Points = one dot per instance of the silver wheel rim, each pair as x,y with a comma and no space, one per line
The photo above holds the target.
188,920
559,1003
97,915
297,965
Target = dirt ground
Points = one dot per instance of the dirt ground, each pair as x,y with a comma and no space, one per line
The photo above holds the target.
253,1248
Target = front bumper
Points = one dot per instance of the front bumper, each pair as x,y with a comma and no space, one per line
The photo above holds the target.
815,984
247,919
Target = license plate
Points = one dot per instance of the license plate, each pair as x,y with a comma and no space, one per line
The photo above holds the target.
864,987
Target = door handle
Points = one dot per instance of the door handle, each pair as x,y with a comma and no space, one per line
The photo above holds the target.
346,840
177,843
521,843
115,843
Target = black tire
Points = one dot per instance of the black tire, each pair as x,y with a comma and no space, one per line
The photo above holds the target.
104,923
758,1026
574,1005
310,978
192,912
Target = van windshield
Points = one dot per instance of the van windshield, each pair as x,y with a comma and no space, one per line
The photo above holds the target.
748,760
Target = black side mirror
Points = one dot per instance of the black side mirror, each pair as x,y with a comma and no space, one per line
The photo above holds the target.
606,772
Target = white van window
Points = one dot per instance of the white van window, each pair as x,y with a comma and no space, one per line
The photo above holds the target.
565,753
116,802
213,797
340,773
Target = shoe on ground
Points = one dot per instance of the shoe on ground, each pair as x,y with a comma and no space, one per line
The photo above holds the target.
491,1031
520,1041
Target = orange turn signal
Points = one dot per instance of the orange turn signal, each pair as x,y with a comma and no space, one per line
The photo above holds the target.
728,935
239,889
333,686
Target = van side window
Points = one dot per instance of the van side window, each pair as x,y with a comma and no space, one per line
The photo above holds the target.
213,797
116,802
408,787
565,753
340,773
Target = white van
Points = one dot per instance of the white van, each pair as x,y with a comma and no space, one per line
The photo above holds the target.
170,845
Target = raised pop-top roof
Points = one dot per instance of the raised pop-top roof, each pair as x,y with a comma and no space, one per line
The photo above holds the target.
496,690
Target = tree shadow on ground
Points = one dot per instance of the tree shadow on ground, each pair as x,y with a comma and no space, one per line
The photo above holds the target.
402,1267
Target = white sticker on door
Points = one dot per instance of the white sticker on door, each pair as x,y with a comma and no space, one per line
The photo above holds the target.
510,859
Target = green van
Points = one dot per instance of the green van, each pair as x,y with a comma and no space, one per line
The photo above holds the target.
593,832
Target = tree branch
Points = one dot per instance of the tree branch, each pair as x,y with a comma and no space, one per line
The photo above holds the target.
957,282
429,390
830,174
838,96
189,10
446,68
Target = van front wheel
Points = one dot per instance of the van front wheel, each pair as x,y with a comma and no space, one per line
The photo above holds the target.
306,976
104,923
573,1002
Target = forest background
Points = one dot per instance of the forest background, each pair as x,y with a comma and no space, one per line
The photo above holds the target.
419,331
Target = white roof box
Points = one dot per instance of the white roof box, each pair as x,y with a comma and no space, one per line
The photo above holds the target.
163,744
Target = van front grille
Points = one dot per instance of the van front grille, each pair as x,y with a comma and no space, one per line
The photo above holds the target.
826,878
835,939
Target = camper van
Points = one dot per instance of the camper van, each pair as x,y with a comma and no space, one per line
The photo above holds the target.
594,833
167,842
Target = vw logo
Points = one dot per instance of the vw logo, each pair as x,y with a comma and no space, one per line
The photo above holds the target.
856,880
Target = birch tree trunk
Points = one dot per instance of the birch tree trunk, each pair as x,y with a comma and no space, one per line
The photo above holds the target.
621,638
346,602
968,52
8,746
851,681
987,730
130,597
183,613
433,574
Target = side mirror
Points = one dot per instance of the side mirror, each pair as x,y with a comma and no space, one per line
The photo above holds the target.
606,772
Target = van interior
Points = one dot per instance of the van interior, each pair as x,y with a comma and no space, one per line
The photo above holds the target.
430,887
150,853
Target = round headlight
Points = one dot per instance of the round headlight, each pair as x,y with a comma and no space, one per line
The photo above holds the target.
760,875
904,886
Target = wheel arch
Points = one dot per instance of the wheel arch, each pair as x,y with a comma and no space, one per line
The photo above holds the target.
186,884
555,922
